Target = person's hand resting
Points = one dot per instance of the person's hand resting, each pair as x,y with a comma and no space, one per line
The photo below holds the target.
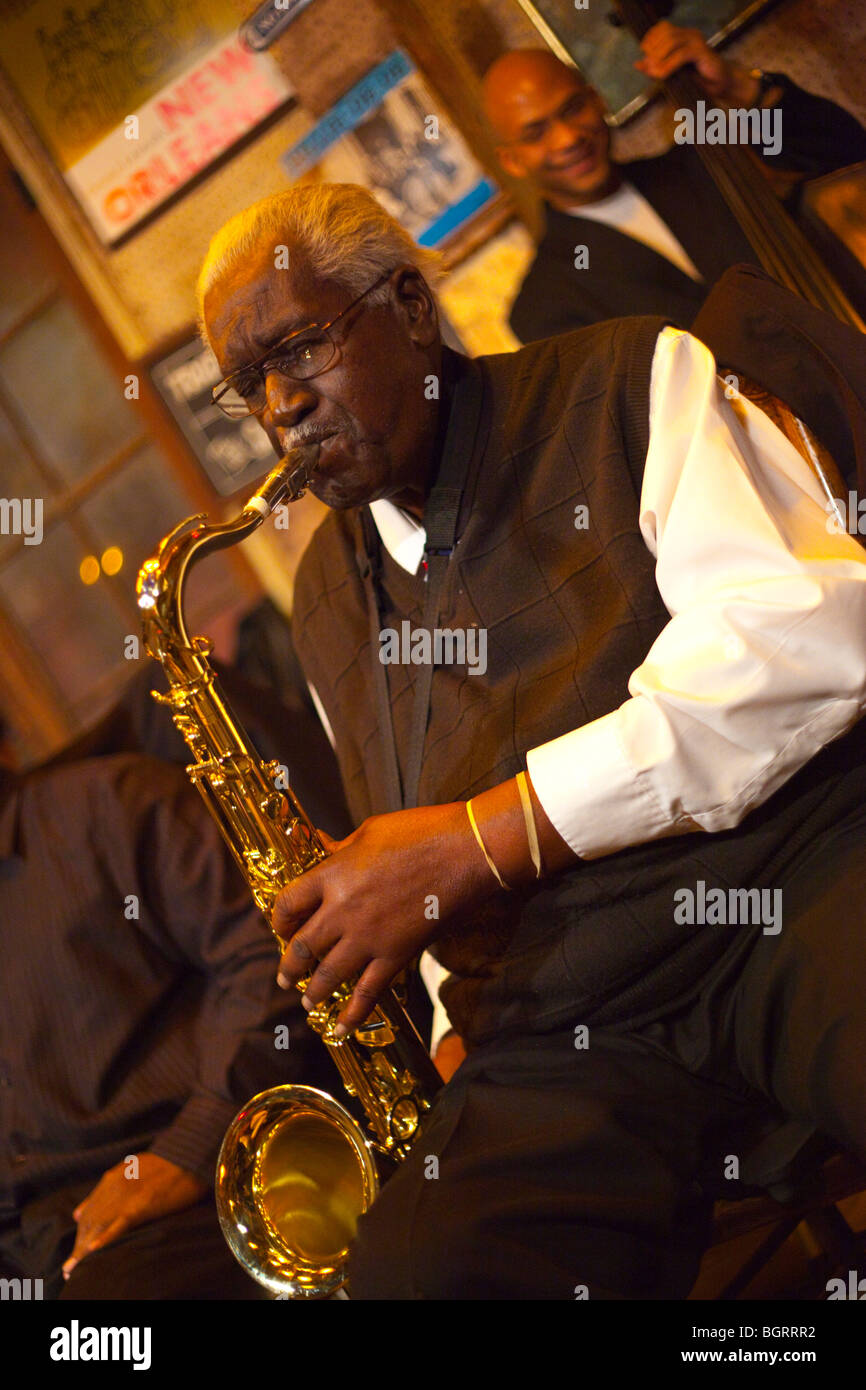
118,1202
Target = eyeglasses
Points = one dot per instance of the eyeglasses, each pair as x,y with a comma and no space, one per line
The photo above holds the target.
302,355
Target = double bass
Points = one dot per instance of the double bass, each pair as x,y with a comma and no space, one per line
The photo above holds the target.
779,245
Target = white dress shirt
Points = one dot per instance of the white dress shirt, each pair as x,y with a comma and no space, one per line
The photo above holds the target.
764,659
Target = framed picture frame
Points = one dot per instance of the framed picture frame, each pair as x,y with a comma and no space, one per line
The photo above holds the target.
588,36
386,134
133,104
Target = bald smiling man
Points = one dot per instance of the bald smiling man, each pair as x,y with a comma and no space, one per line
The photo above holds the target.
656,232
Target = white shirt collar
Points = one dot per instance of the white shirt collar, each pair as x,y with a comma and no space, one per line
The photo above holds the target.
402,536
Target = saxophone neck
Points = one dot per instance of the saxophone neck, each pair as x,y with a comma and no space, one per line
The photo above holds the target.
289,479
161,579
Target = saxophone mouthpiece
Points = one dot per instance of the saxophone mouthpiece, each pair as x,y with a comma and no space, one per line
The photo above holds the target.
289,479
300,465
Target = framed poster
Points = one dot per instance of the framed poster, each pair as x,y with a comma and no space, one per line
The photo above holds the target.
387,133
134,101
585,35
233,453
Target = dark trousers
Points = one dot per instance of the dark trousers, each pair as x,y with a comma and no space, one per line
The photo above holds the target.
181,1256
553,1172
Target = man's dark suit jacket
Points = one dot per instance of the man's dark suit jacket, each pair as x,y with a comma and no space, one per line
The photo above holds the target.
626,277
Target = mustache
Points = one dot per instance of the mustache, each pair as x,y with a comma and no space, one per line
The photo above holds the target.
581,151
314,432
311,434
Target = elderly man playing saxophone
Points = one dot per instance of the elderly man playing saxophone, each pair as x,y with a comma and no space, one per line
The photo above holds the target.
631,832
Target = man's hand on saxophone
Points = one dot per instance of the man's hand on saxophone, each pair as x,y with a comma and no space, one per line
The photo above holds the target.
361,913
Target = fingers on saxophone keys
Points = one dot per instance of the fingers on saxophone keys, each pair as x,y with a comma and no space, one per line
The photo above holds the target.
337,967
369,989
296,903
295,961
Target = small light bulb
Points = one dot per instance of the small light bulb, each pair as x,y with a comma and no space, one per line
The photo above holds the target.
112,559
88,570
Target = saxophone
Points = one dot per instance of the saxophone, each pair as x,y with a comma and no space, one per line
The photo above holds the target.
295,1169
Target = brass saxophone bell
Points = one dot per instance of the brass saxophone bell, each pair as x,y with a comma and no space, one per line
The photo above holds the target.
295,1172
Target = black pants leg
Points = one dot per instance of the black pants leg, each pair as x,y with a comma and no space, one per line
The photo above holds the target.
549,1180
548,1172
799,1016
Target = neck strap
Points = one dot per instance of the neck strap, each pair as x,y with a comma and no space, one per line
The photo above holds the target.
440,523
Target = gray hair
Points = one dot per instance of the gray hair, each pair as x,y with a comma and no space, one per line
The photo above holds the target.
346,235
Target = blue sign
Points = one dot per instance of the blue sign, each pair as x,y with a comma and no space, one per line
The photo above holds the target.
348,113
458,213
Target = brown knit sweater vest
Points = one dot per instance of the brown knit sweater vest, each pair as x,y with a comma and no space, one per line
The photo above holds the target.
550,563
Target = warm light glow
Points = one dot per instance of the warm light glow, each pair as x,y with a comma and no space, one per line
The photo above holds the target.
112,559
89,569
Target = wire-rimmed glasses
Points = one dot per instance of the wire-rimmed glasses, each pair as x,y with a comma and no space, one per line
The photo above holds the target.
302,355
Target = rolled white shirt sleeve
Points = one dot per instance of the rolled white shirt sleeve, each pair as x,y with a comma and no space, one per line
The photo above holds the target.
764,659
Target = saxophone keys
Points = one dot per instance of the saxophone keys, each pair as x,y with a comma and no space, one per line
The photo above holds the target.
378,1033
403,1120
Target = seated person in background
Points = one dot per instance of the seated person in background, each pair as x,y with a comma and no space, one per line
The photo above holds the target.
657,232
139,1013
267,692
